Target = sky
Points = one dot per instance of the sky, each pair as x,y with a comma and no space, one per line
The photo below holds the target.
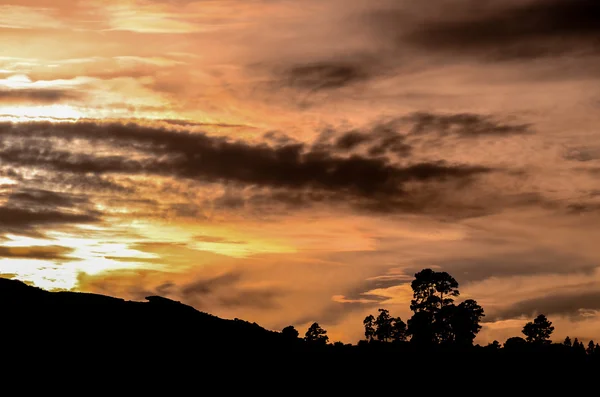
293,161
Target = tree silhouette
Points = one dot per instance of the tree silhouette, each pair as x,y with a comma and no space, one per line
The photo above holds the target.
590,348
515,343
316,335
420,328
465,322
436,318
442,324
495,345
578,346
539,330
385,328
290,333
369,323
177,327
399,330
432,290
383,323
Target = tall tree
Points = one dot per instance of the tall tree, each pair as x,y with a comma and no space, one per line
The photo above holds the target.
399,331
590,348
421,329
316,335
369,323
578,346
568,342
443,320
539,330
432,290
383,323
465,322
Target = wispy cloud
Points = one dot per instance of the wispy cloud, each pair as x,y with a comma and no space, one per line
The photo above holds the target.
21,17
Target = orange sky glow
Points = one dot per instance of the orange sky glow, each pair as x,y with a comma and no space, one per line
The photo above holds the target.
286,161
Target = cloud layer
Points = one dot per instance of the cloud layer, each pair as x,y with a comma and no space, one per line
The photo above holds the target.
288,162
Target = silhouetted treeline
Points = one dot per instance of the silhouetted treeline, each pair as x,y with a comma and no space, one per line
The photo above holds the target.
161,333
439,326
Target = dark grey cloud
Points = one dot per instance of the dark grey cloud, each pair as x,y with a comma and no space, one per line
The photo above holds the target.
44,96
465,125
208,286
508,29
66,161
225,291
199,157
52,253
260,299
574,304
28,198
186,210
325,75
400,135
582,153
20,220
188,123
467,270
582,208
383,139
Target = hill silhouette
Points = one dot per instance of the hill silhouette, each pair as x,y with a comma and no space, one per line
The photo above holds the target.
66,318
161,336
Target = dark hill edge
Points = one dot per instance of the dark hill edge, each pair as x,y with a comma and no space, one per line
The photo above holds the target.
73,316
89,329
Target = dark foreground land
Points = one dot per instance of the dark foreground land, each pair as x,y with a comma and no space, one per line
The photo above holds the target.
109,338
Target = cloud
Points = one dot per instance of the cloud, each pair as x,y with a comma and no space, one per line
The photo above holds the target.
261,299
582,153
466,125
52,253
20,17
574,304
199,288
29,198
22,221
400,135
196,156
42,96
508,264
581,208
216,240
325,75
514,30
222,291
383,139
144,18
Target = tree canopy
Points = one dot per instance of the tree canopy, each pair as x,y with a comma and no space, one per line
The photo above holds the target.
538,330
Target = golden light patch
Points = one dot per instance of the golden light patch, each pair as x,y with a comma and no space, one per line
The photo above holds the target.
39,113
89,255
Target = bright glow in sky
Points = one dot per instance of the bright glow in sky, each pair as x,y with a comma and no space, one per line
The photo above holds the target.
288,162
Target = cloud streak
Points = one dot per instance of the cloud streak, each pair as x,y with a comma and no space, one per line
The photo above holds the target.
52,253
514,30
43,96
204,158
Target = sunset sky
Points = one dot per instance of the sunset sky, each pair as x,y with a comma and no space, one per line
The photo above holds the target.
292,161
